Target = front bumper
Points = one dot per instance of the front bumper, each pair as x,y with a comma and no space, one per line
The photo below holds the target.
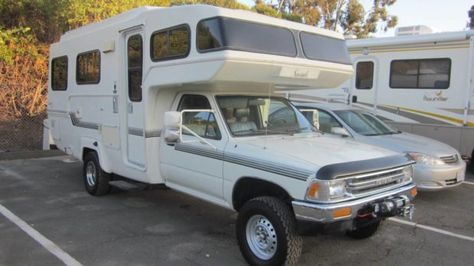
323,212
439,177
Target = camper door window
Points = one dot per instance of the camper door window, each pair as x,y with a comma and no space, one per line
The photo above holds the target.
171,43
88,67
364,75
59,73
420,74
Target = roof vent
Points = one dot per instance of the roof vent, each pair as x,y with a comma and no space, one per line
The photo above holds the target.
413,30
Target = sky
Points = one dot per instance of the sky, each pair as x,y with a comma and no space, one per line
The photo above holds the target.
440,15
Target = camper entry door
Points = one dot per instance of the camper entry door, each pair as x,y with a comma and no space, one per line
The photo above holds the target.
135,109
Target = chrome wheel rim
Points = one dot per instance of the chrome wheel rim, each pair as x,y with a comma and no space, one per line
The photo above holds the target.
261,237
91,175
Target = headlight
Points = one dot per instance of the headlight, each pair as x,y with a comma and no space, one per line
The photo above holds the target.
407,173
322,190
426,159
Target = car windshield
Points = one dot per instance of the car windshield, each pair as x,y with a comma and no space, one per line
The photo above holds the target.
255,115
365,123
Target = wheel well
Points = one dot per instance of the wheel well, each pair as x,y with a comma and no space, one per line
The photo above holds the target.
248,188
85,151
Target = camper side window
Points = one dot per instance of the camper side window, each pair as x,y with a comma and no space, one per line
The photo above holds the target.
420,74
172,43
59,73
135,67
202,123
364,75
88,67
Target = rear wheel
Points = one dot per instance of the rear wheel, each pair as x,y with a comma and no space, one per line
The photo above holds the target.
96,180
266,233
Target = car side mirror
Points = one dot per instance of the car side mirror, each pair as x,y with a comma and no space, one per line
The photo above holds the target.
172,121
340,131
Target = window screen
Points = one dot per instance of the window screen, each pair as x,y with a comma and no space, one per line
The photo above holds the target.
59,73
171,43
135,65
364,75
420,73
88,68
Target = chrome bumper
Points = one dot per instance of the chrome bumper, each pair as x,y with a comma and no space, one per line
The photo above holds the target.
323,212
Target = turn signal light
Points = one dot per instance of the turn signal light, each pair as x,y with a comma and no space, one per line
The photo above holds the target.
341,212
313,190
413,192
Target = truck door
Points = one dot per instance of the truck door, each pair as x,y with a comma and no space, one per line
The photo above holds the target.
194,165
135,109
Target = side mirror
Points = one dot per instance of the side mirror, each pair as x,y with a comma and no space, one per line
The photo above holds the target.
172,123
340,131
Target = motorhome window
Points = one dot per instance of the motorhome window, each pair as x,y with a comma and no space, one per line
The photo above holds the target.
364,75
203,124
135,67
254,115
221,33
420,74
170,43
59,73
88,68
323,48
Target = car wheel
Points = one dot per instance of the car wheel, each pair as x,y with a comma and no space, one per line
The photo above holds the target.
266,233
96,180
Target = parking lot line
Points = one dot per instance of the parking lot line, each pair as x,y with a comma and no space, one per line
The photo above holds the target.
42,240
430,228
467,182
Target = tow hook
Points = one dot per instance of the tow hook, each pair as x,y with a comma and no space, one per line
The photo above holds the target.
397,206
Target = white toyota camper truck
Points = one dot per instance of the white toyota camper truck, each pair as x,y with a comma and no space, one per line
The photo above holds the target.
183,96
422,84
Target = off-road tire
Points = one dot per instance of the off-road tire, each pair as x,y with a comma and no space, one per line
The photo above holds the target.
363,232
101,185
289,243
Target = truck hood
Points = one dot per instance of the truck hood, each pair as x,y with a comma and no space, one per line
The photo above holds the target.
405,142
310,151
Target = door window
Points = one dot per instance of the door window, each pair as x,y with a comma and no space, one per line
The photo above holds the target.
204,124
135,67
364,75
327,122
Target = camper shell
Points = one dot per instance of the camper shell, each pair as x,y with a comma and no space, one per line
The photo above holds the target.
185,97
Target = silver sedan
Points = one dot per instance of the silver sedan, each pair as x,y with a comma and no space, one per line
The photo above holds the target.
438,165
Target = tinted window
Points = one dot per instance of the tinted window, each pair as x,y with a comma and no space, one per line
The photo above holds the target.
364,75
171,43
88,68
233,34
318,47
422,73
202,123
135,65
59,73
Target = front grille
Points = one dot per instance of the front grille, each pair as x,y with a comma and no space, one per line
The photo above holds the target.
450,159
381,180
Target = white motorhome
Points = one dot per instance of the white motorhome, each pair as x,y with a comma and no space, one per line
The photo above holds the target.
184,96
421,84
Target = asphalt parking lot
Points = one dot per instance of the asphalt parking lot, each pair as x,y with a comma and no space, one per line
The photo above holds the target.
51,219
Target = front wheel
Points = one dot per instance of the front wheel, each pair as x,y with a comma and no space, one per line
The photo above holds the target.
266,233
96,180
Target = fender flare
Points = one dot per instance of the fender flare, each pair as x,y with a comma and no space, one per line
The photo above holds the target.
96,145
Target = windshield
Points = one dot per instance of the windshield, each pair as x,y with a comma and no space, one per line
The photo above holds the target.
365,123
255,115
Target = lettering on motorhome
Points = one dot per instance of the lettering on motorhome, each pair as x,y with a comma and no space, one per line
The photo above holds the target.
435,97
